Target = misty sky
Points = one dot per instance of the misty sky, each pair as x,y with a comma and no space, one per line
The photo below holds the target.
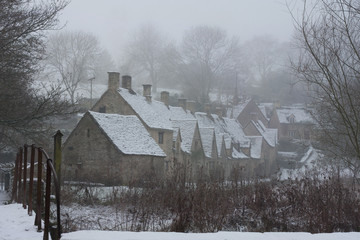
113,21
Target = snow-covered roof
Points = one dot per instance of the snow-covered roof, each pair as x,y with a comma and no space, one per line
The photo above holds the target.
178,113
270,134
221,98
238,154
234,112
207,137
128,134
230,128
187,130
256,145
266,109
301,115
153,113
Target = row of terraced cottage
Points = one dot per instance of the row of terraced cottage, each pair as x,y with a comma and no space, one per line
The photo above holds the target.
128,138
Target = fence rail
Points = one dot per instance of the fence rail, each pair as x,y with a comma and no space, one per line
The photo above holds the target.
23,187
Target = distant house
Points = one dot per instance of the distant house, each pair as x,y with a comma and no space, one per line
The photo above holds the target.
294,123
269,144
255,120
246,111
111,149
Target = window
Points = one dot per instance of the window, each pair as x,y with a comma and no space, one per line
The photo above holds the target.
292,133
102,109
88,133
292,119
161,137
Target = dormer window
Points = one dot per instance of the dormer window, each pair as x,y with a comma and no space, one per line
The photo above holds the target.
292,119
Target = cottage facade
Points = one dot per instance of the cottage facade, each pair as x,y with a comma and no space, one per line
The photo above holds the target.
293,123
111,149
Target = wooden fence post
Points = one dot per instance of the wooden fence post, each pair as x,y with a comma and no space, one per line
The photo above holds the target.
19,195
57,154
15,180
24,178
39,191
47,200
31,182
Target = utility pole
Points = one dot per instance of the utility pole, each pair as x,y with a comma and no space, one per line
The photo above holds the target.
91,84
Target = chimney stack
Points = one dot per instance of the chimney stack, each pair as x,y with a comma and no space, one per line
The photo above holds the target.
114,80
126,82
165,98
147,90
190,105
182,103
207,108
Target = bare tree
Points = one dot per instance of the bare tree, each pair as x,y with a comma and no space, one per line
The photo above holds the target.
144,54
329,39
206,54
23,109
103,64
263,55
72,56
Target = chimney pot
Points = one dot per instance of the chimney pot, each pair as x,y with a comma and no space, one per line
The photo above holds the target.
207,108
182,103
190,105
126,82
146,90
148,98
165,98
114,80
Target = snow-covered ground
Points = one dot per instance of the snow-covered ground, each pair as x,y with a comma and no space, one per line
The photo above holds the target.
15,224
4,198
95,235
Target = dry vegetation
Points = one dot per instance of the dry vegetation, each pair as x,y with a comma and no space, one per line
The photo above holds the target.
312,204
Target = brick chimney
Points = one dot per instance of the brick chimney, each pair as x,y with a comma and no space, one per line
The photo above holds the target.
126,82
114,80
190,105
146,90
165,97
207,108
182,103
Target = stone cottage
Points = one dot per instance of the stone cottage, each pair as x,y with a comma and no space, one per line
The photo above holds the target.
293,123
125,101
111,149
246,111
